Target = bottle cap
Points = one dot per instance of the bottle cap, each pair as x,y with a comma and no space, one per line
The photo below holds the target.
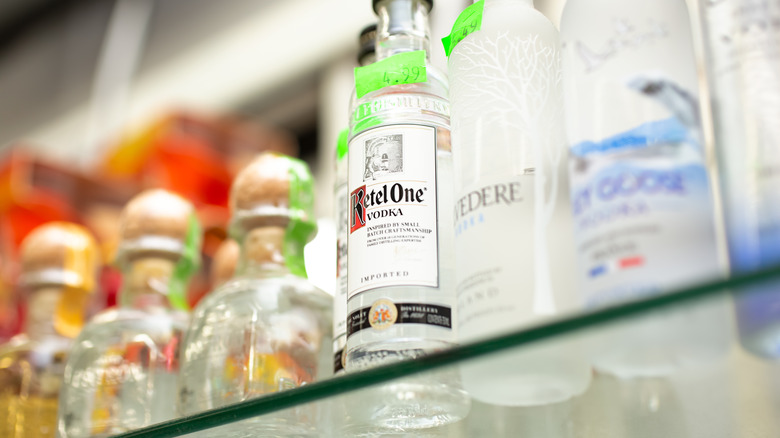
158,222
223,265
428,3
61,254
367,41
64,255
276,191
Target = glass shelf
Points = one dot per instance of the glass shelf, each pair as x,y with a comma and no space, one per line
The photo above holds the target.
731,394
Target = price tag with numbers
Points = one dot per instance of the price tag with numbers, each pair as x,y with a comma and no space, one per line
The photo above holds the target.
468,22
403,68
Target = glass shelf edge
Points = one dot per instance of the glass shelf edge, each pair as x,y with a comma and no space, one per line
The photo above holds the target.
346,383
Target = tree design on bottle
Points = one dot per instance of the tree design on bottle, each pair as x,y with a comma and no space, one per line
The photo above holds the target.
520,95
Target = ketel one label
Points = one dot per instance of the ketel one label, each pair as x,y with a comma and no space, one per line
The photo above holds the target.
392,208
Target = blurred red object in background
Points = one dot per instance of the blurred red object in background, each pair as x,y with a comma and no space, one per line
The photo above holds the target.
197,157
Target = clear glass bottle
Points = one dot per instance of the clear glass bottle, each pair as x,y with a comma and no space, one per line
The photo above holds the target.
400,278
743,50
59,265
122,371
366,56
507,109
642,204
268,329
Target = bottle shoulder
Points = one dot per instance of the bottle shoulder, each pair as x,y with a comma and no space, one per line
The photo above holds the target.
425,102
250,290
114,326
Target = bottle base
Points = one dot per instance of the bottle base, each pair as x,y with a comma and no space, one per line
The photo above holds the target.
411,403
534,376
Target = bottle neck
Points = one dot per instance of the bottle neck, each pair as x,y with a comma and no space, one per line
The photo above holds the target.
262,251
146,282
529,3
41,307
402,26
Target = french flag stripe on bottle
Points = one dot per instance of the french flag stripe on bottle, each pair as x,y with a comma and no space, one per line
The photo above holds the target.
616,265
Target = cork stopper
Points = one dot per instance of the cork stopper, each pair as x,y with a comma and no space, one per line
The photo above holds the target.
155,221
264,245
271,191
59,253
223,266
262,189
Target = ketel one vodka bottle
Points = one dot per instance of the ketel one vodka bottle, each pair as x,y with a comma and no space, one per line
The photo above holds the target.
743,41
641,199
366,56
59,262
509,155
268,328
122,371
400,276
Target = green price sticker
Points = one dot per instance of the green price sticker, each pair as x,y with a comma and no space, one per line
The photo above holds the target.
403,68
301,228
343,147
188,264
468,22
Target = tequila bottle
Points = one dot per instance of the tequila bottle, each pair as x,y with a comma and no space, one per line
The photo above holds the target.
59,262
400,250
122,371
640,188
744,58
366,56
268,328
506,109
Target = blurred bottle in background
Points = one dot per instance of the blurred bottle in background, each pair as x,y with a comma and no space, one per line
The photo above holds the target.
59,262
506,112
366,56
640,188
122,371
268,329
743,53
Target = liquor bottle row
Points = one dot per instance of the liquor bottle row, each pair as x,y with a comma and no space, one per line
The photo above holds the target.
450,203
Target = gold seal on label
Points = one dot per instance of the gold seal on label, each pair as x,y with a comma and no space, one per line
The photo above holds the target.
383,314
344,358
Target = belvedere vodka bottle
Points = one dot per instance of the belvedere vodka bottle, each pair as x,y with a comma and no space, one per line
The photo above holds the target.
400,249
267,329
639,184
366,55
743,41
59,263
507,148
122,371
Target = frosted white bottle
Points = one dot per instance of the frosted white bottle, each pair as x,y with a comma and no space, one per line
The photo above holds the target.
642,205
506,113
743,38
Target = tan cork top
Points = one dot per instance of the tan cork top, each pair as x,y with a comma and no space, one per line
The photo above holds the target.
61,246
261,188
156,212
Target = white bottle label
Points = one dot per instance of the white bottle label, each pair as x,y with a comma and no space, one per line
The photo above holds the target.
494,225
642,213
393,238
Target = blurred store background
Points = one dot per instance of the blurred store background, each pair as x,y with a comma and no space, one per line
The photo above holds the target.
102,98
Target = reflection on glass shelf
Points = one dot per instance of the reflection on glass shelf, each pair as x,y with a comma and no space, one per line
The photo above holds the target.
728,393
